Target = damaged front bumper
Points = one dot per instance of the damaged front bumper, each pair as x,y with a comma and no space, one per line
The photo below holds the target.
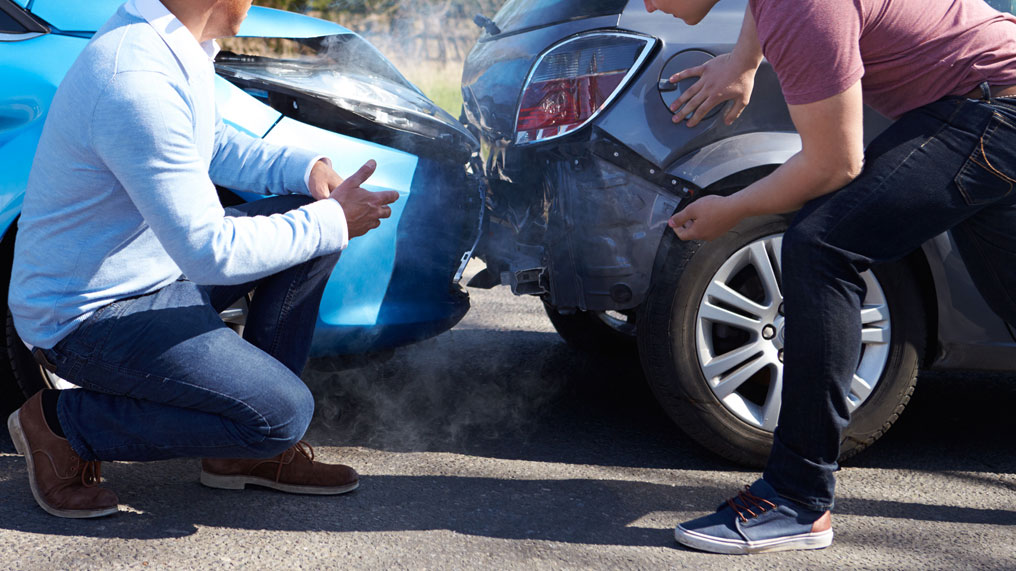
398,283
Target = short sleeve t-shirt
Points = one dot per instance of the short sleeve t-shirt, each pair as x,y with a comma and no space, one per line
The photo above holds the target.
907,53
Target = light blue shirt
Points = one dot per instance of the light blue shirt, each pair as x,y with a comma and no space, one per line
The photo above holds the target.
121,198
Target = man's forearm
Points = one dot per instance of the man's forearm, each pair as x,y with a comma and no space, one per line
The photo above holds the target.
789,187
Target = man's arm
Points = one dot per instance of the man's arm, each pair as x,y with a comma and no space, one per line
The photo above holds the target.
726,77
832,154
168,183
243,162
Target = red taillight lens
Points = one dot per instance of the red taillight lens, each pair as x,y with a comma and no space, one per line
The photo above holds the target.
574,81
558,106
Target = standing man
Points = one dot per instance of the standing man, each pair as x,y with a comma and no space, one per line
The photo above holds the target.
946,71
125,257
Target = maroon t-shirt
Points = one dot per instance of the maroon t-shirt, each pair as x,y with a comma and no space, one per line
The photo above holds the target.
907,53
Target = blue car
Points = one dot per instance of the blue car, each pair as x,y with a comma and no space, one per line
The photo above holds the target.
329,91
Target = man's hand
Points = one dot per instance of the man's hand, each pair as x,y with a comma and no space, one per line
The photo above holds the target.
707,218
364,209
721,79
728,77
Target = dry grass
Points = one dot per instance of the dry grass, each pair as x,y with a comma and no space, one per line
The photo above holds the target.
441,82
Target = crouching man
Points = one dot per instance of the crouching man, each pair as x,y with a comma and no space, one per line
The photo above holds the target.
946,71
124,258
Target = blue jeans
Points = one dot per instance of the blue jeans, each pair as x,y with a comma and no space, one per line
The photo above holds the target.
949,165
161,376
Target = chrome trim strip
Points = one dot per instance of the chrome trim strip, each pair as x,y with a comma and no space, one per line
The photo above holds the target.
20,37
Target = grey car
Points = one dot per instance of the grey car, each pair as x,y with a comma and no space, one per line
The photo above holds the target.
584,165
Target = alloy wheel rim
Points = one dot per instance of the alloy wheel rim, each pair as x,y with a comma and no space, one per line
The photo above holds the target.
739,335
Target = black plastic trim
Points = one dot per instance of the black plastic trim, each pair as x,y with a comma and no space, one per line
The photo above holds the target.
30,23
618,154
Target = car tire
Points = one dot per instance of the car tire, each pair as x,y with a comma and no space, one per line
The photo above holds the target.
25,372
675,336
595,332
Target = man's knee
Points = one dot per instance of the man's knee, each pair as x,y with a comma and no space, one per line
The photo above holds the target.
286,416
802,245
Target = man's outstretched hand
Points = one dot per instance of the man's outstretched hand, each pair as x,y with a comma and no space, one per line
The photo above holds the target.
364,209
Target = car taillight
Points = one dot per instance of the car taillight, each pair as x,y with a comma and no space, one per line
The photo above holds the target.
575,80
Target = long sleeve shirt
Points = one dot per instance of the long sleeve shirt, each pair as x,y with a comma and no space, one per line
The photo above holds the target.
121,198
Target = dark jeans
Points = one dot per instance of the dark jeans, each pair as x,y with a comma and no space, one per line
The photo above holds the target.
948,165
161,376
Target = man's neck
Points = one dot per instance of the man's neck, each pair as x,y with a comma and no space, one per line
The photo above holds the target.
195,15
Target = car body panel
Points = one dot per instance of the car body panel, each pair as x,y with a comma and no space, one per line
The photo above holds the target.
716,161
25,94
366,306
970,334
354,294
243,111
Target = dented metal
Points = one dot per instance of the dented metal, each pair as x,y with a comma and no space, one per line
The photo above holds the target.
347,76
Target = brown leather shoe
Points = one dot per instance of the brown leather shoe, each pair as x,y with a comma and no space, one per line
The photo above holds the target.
293,471
63,484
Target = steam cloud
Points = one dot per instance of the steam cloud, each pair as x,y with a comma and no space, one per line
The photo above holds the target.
441,393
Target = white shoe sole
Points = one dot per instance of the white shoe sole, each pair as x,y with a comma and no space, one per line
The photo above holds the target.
21,444
241,482
712,544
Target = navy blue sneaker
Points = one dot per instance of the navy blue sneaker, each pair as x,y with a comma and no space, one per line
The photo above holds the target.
756,521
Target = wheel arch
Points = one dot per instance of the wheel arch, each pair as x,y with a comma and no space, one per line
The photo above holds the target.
11,396
7,254
725,186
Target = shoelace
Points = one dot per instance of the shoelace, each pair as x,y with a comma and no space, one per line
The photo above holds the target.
91,473
306,449
286,457
749,501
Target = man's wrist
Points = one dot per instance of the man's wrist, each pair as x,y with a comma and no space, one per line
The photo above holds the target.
310,169
747,60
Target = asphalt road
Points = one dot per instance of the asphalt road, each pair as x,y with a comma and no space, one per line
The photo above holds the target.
496,446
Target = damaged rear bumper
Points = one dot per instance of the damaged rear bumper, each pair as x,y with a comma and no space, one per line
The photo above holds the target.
581,229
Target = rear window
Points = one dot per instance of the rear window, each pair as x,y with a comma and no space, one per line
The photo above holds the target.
521,14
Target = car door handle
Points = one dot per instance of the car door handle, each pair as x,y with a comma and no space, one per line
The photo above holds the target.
666,85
